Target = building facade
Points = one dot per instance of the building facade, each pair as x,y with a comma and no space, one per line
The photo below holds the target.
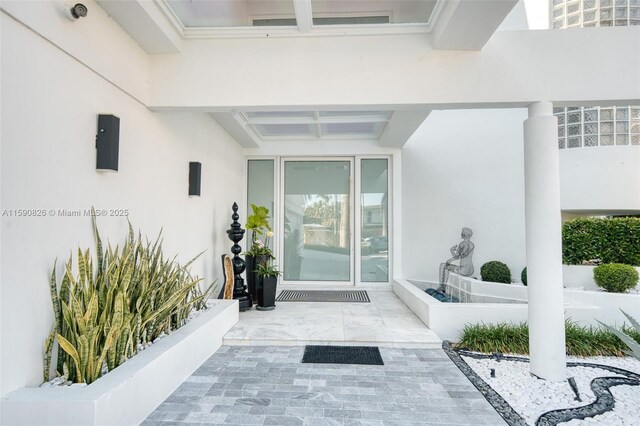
441,124
596,126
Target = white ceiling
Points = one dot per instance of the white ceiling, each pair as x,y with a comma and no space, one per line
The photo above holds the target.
398,11
238,13
315,125
165,26
229,13
384,127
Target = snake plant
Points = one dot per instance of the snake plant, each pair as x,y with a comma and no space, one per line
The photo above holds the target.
118,301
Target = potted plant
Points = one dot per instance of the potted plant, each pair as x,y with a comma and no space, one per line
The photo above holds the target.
266,286
258,222
259,251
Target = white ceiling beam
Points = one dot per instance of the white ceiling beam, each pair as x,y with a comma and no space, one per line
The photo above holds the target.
383,73
148,23
304,15
234,125
207,33
402,125
469,24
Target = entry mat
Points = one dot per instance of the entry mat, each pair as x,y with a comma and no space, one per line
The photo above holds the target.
367,355
359,296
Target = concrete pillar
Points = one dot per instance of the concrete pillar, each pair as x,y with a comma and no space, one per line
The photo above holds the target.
544,243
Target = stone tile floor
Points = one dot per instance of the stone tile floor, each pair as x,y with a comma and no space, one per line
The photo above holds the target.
385,322
269,385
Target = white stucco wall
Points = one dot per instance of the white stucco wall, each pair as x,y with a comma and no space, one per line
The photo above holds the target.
50,104
464,168
96,41
603,178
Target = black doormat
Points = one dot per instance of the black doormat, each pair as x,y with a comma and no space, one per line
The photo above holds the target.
357,296
367,355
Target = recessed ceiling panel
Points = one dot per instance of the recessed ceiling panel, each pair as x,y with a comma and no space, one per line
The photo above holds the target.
233,13
383,114
359,12
328,124
285,114
370,130
242,13
285,130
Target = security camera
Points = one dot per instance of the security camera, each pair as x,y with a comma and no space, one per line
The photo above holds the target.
79,10
76,11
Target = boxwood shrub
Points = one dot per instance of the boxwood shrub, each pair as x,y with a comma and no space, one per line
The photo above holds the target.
496,272
614,240
615,277
523,276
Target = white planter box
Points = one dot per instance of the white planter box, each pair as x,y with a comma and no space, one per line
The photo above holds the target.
448,319
128,394
580,276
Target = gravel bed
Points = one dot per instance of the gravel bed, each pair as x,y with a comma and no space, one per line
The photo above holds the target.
531,397
631,410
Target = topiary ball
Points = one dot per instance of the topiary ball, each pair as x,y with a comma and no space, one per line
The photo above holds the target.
496,272
523,276
615,277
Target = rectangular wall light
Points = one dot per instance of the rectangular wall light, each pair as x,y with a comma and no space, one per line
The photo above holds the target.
107,143
195,170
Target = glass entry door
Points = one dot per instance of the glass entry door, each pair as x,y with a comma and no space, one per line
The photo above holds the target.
317,222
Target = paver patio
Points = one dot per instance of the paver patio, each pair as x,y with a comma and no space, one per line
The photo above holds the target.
269,385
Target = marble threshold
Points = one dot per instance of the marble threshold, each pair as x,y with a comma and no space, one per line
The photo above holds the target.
385,322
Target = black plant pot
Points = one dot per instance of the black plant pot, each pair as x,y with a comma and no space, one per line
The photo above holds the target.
267,293
252,278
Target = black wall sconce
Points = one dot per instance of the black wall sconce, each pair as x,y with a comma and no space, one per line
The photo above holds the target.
107,143
195,173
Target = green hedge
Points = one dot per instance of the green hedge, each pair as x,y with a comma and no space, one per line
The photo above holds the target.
608,240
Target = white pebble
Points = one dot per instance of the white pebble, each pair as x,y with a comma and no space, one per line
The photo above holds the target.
532,397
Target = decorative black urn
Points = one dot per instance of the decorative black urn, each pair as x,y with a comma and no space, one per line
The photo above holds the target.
236,233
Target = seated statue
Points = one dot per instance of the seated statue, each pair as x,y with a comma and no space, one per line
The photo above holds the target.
462,252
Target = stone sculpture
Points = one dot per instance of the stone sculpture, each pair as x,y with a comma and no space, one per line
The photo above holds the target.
462,252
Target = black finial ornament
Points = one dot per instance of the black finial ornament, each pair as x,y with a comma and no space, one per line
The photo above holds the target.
236,233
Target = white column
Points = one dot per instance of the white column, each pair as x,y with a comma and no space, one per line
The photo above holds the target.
544,243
